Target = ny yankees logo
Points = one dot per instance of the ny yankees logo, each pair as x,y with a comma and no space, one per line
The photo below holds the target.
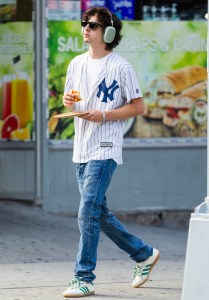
107,91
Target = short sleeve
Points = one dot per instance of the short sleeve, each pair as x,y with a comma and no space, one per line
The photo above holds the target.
131,88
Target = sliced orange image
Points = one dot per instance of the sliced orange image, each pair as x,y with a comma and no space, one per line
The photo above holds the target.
21,134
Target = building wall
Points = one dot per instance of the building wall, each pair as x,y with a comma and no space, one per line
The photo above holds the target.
160,178
17,174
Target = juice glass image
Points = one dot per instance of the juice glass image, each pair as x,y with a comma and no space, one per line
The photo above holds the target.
6,95
22,104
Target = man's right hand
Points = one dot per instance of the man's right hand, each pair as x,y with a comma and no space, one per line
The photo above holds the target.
69,100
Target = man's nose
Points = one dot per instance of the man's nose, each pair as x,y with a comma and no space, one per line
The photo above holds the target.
87,27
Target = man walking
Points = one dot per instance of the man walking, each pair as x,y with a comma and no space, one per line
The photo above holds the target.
110,91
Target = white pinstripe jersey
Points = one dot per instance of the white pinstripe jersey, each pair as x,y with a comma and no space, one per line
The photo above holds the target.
116,85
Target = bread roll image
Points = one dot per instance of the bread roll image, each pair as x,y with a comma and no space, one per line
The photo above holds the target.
77,95
178,80
185,128
187,97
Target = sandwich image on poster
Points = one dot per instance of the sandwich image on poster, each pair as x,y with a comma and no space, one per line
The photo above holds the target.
179,100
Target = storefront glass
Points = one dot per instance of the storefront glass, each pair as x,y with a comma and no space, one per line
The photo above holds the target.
170,60
16,71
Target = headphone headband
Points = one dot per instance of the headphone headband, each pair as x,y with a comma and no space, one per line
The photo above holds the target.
111,20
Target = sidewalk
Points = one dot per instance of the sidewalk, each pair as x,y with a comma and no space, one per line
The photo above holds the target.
38,249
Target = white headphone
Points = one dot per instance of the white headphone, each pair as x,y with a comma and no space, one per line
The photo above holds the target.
109,31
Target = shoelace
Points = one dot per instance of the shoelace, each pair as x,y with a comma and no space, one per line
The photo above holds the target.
75,283
138,270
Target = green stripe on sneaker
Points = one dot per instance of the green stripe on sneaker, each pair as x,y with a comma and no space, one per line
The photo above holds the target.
147,267
146,270
84,289
145,273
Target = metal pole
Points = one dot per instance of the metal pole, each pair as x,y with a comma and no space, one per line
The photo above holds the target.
207,198
40,99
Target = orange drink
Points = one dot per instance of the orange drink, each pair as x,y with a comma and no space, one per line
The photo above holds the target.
22,99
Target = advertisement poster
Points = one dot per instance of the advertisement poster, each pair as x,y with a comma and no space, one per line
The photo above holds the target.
16,81
170,59
170,62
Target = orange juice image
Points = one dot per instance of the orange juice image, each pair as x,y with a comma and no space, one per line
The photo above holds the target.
22,99
6,96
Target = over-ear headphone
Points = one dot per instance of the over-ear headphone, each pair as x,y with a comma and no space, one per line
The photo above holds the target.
109,31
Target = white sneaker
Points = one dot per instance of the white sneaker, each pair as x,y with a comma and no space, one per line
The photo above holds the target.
143,269
79,288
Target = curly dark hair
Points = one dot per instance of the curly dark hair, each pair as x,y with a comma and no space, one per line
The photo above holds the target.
104,18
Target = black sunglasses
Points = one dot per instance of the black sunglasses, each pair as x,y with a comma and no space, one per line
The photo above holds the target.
92,25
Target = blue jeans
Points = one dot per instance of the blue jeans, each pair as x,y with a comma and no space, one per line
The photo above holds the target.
93,180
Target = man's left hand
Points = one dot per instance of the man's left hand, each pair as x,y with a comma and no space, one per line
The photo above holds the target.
93,116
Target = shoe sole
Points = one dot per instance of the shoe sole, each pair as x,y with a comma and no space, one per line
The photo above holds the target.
145,280
78,296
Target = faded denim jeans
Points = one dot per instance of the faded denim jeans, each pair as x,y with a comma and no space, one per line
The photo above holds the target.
93,180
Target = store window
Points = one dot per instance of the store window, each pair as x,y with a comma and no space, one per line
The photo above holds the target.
166,42
64,9
163,10
16,71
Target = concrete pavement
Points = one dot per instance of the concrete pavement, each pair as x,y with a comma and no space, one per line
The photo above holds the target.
38,249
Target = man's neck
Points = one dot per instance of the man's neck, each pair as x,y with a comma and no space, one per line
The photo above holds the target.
98,53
